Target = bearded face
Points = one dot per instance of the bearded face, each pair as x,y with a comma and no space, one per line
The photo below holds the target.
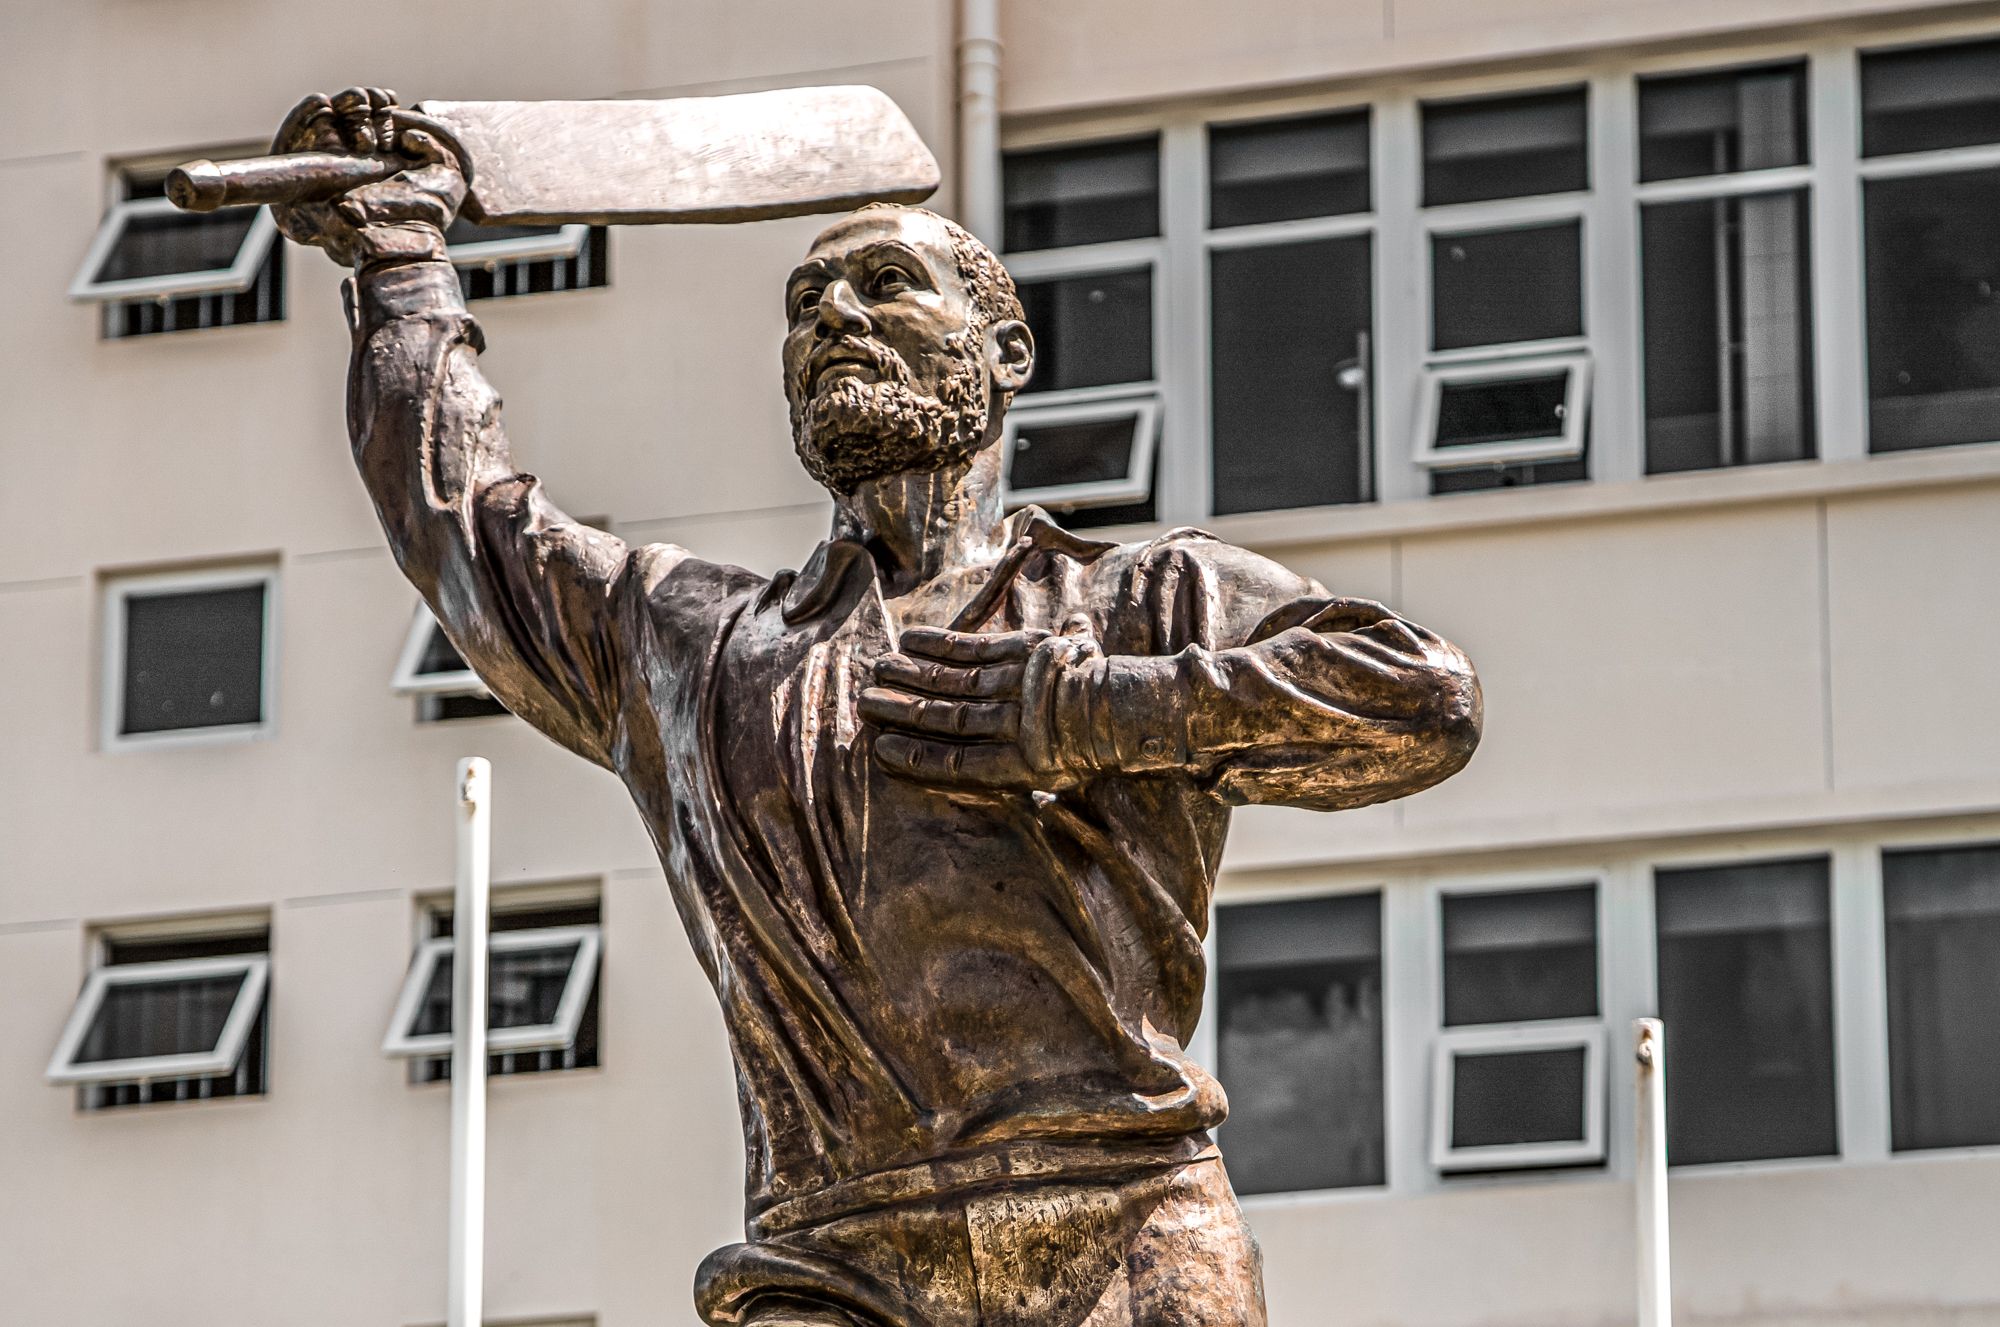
856,415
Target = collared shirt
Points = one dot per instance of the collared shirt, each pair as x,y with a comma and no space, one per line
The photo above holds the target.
912,977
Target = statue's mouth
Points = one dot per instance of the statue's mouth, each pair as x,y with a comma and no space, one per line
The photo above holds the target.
844,358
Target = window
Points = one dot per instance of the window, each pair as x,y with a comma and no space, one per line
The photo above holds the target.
169,1018
1942,920
1933,259
1519,1067
541,991
1064,197
1506,280
1726,272
188,655
1091,454
1746,992
496,261
1299,996
431,669
157,269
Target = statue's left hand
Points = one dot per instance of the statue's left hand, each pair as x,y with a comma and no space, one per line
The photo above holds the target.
950,704
403,216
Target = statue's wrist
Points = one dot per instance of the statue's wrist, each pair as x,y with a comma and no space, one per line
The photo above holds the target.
395,244
1121,714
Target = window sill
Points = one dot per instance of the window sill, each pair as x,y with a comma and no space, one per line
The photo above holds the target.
1558,504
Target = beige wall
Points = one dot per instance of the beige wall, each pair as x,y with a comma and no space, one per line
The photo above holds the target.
1706,661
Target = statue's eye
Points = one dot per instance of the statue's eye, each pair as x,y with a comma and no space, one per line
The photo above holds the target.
805,302
891,280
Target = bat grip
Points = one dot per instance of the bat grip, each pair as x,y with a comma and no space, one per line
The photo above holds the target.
298,177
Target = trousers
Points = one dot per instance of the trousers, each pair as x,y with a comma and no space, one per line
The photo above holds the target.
1164,1248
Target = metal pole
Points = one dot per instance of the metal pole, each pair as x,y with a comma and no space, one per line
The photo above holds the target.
1656,1288
465,1295
979,118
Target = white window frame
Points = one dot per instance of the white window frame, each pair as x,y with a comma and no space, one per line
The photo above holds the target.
1563,1034
400,1043
118,589
235,278
407,681
220,1059
563,244
1076,408
1568,444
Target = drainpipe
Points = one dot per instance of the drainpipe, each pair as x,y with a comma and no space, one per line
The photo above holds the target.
979,118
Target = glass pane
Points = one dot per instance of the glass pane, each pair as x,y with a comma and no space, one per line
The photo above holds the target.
1932,97
1728,314
1091,331
172,1016
193,660
1505,1097
523,989
1933,316
1299,992
1746,991
1081,195
177,242
440,656
1514,474
463,231
1520,955
1513,410
1046,455
1942,911
1280,170
1710,124
1505,147
1286,323
1507,285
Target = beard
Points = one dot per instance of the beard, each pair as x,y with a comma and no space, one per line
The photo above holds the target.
850,430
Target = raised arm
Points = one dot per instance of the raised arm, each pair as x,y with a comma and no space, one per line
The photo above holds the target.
529,597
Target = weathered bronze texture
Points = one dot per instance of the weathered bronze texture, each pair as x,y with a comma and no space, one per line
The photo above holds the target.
941,811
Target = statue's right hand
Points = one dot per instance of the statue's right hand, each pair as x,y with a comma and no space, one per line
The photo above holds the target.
404,214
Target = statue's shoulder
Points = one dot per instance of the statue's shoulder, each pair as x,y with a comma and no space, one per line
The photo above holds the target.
1187,550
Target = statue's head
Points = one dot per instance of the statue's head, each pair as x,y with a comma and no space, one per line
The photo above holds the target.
904,347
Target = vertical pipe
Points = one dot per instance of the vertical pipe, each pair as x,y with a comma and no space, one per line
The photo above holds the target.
465,1294
1656,1291
979,119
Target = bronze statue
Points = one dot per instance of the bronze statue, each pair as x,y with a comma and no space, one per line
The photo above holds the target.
941,811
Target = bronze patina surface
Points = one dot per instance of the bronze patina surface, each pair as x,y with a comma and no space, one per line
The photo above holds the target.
941,811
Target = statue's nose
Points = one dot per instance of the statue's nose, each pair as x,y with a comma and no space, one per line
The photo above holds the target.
841,312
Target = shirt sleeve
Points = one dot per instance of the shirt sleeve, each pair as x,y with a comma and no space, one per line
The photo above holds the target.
528,596
1269,689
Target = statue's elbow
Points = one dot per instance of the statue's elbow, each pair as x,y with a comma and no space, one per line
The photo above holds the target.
1457,718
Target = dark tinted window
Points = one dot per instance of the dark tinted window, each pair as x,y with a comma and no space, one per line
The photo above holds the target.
1931,97
1514,474
1279,170
193,659
1090,330
1471,413
1094,451
1520,955
1058,197
1710,124
1506,1097
1506,147
174,243
1942,910
1498,286
1746,992
1299,992
1288,329
188,1019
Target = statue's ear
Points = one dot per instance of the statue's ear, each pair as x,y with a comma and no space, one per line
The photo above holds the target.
1010,354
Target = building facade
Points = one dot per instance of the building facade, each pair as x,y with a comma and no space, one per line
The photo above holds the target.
1649,352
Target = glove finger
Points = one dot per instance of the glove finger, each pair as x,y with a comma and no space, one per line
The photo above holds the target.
993,681
304,126
943,718
970,646
353,111
953,763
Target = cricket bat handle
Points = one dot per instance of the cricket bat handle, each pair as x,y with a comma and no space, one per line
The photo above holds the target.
291,177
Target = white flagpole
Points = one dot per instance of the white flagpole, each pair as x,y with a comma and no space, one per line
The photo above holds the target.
1656,1287
465,1294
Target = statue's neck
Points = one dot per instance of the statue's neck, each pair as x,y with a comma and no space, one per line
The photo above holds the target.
921,526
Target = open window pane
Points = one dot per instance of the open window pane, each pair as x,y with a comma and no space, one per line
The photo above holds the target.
1712,124
1520,955
1746,992
1507,412
1059,197
1299,990
1506,147
172,1015
1930,97
1289,360
169,244
1728,324
1473,414
1280,170
167,1020
496,261
1942,913
1090,331
539,982
1508,1098
1086,455
524,989
1933,316
191,659
1501,286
